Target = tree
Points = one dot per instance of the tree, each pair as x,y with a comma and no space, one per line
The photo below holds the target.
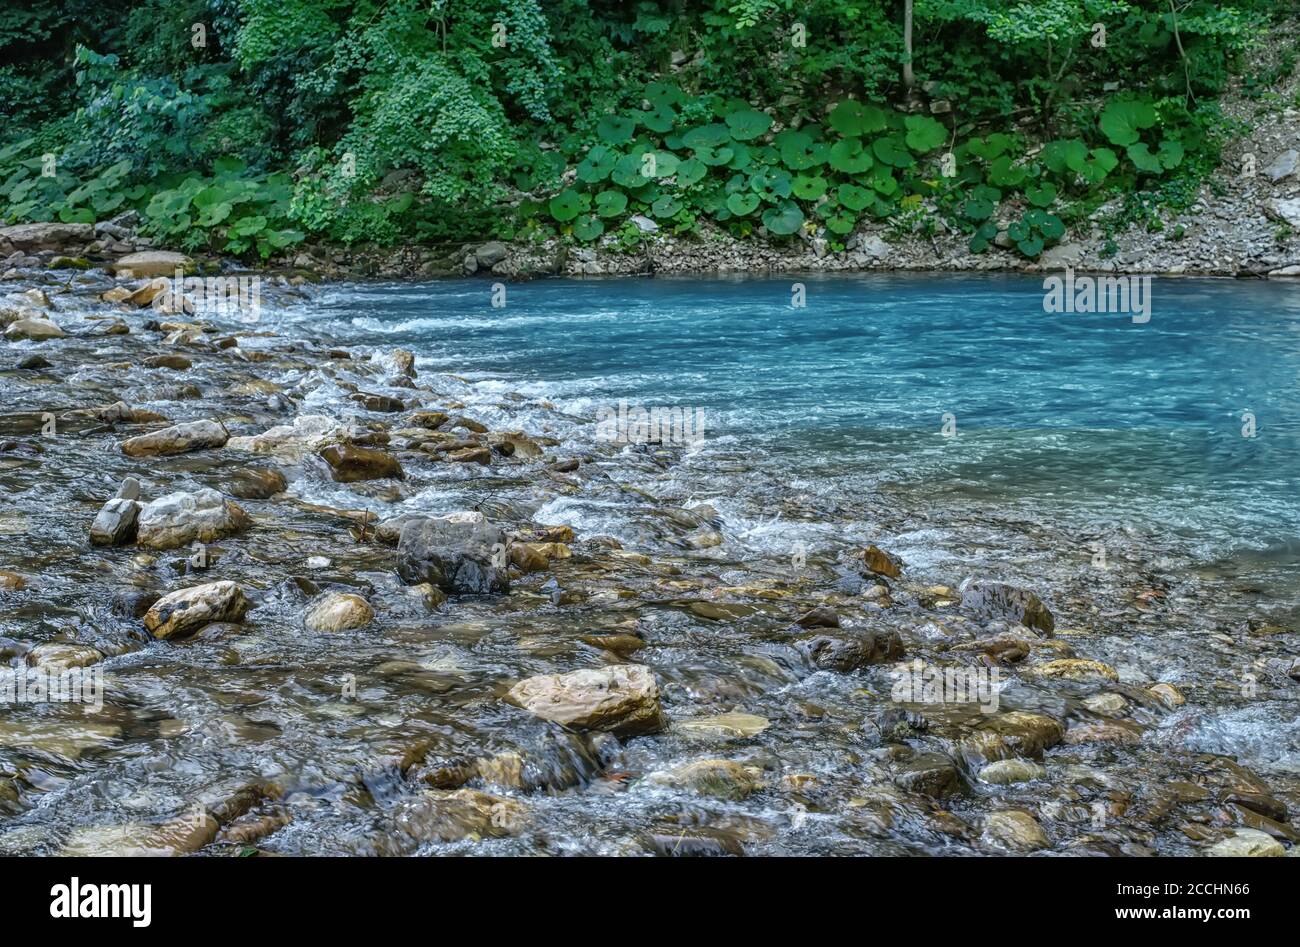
909,79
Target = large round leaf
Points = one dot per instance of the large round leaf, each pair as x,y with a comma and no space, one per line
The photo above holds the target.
610,203
841,223
883,182
856,118
990,147
566,205
1003,174
977,209
748,123
892,150
664,165
808,187
771,184
659,119
741,203
707,136
1049,225
1063,154
849,155
853,197
924,133
1041,195
1122,122
712,156
596,166
666,206
615,129
691,171
796,149
741,156
784,219
664,93
588,228
627,172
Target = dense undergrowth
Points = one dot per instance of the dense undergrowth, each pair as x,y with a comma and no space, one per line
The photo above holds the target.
247,126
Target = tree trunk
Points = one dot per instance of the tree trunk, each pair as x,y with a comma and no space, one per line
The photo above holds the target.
909,79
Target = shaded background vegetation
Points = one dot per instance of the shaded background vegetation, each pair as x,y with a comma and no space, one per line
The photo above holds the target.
430,120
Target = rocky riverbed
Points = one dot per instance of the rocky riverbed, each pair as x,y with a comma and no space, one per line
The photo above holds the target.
339,608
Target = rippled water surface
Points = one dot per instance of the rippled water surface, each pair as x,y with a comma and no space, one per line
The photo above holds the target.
1099,462
1089,417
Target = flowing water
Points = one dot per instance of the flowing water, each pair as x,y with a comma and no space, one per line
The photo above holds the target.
1141,477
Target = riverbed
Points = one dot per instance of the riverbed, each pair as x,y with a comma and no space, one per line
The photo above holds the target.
1135,479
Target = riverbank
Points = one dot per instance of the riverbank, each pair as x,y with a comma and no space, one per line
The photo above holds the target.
346,605
1243,222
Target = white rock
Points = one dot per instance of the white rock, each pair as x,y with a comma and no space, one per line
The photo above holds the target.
179,519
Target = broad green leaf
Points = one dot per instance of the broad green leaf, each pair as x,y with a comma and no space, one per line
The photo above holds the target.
566,205
742,204
809,187
597,165
784,219
588,227
615,129
924,133
892,150
610,203
1122,122
851,118
1041,195
849,155
854,197
748,123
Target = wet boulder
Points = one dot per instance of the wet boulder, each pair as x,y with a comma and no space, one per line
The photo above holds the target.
460,553
256,483
115,524
307,434
849,650
148,263
721,779
349,464
1014,831
184,612
177,439
179,519
879,562
33,330
622,699
999,600
374,402
59,656
338,611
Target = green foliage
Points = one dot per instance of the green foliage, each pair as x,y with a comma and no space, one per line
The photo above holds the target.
364,121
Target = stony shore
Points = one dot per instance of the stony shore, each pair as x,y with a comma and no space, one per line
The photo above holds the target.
288,674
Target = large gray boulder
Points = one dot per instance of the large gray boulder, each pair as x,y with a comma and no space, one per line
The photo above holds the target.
179,519
458,553
49,236
177,439
114,525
